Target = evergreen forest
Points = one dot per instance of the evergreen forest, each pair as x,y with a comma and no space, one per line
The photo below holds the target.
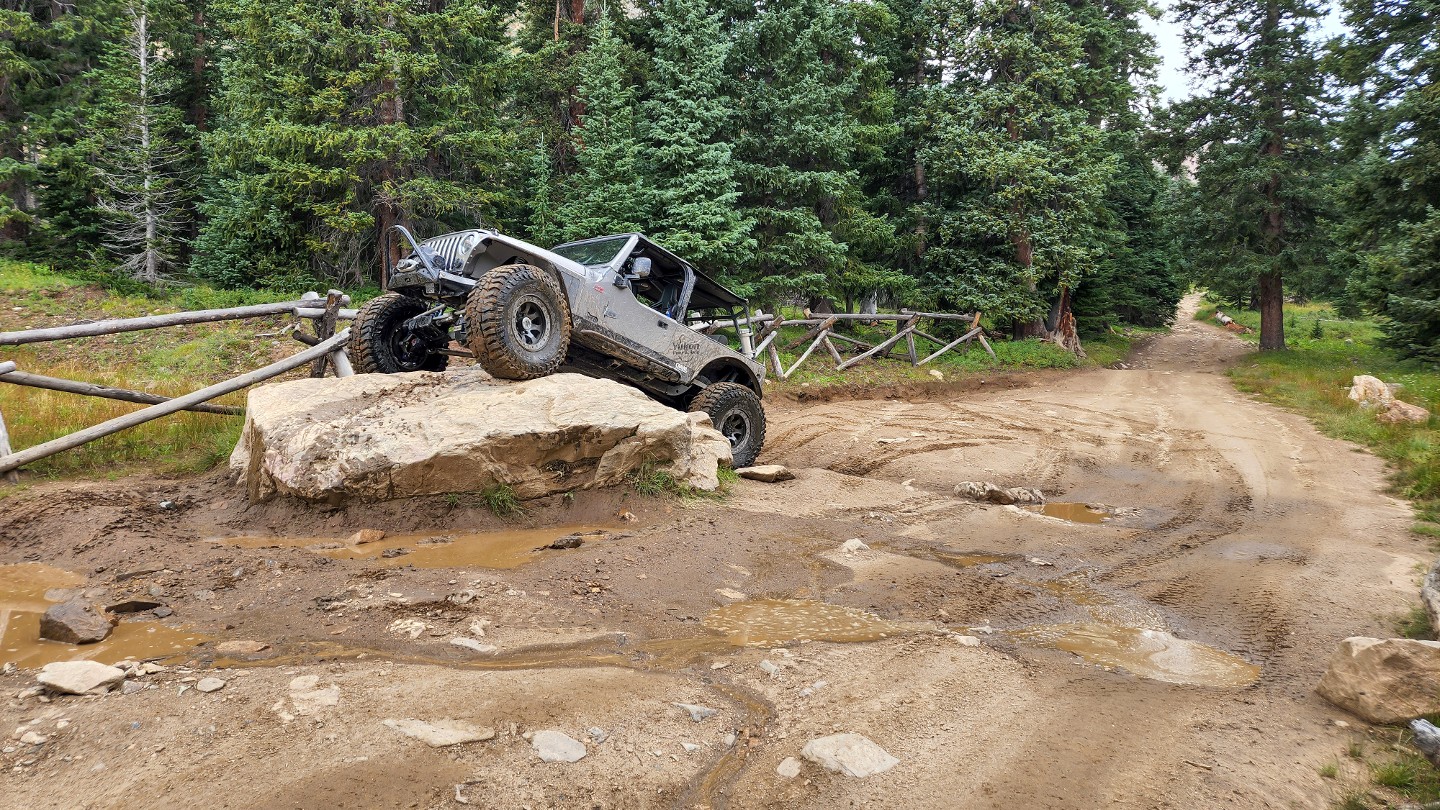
1002,155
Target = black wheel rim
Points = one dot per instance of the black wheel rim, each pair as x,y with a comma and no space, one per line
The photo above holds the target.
532,324
409,349
735,427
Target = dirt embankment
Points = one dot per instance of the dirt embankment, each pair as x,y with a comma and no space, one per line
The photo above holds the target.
1163,657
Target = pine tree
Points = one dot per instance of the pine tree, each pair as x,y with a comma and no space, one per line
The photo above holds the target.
1256,139
607,193
691,172
143,191
1392,128
1017,172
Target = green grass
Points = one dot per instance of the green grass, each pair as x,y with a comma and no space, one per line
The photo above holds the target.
1415,624
1313,377
1329,771
502,501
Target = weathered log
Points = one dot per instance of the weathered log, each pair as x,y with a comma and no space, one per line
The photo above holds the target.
981,337
341,361
324,328
838,336
834,352
93,390
314,313
148,322
813,333
7,367
144,415
891,341
804,356
952,344
11,476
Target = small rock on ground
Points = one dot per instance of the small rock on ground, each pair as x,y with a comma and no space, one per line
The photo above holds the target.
78,677
850,754
556,746
788,768
241,647
766,473
208,685
853,546
440,733
990,493
472,644
697,713
364,536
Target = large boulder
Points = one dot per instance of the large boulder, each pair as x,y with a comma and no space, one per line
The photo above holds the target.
75,622
1373,394
376,436
1384,681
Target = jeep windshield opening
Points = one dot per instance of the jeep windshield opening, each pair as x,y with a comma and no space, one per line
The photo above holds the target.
594,252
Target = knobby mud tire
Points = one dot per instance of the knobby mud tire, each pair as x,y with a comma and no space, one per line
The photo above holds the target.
506,341
374,336
736,412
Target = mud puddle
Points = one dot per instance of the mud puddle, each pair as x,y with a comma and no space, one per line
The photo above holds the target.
768,622
496,550
1152,654
971,559
1073,512
28,589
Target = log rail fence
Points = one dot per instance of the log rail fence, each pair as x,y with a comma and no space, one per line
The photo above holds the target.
325,352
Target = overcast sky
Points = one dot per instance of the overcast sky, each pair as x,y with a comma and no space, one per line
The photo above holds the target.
1173,83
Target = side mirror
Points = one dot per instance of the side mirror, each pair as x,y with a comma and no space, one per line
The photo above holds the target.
640,268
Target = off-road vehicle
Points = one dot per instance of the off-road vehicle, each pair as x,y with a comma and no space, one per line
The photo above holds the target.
616,307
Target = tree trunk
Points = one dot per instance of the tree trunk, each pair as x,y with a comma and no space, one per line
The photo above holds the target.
1272,312
1065,334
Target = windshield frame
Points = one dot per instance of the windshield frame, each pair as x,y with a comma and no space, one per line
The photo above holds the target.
624,245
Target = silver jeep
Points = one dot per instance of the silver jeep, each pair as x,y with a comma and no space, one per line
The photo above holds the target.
616,307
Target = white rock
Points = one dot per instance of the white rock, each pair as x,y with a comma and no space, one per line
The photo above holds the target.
1038,561
1384,680
689,747
730,593
472,644
937,374
380,436
555,746
789,768
849,754
967,641
769,668
407,627
31,738
78,677
599,735
208,685
697,713
440,733
766,473
478,627
1370,392
309,700
854,546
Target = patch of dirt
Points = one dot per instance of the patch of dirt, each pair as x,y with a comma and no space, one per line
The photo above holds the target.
1234,529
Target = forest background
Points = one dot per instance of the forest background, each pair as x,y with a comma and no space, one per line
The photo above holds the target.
1005,156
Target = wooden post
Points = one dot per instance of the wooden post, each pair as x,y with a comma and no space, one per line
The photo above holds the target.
891,341
324,328
952,344
341,361
834,352
11,476
149,322
823,326
129,420
988,350
93,390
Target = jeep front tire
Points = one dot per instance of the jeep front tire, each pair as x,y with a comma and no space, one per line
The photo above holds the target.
380,343
736,412
519,323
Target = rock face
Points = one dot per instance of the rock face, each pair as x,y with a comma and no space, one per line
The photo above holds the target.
75,622
1372,394
990,493
1384,681
78,677
376,436
850,754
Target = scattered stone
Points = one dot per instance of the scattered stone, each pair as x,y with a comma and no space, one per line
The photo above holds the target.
893,440
208,685
78,677
1427,740
29,692
365,536
162,612
1042,562
477,627
133,606
990,493
789,768
967,641
853,546
729,739
568,541
131,687
1399,412
139,572
770,668
167,505
307,699
555,746
75,622
392,553
31,738
241,647
440,733
730,593
1372,394
766,473
937,374
1384,681
472,644
849,754
599,735
408,627
720,665
150,668
697,713
689,747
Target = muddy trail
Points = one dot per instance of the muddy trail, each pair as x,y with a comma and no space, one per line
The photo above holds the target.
1150,639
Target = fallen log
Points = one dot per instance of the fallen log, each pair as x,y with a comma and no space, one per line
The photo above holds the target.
105,391
129,420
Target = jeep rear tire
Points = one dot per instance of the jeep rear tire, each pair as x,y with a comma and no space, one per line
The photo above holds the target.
736,412
519,323
380,343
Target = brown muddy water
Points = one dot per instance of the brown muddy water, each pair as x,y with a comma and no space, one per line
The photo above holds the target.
1073,512
768,622
497,550
28,589
1152,654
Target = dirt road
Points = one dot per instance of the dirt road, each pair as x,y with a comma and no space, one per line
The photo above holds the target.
1157,652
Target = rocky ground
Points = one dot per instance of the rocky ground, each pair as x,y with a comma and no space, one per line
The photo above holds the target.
1157,649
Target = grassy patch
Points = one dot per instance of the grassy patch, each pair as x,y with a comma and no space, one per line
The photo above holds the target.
1329,771
1314,375
502,501
1415,624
